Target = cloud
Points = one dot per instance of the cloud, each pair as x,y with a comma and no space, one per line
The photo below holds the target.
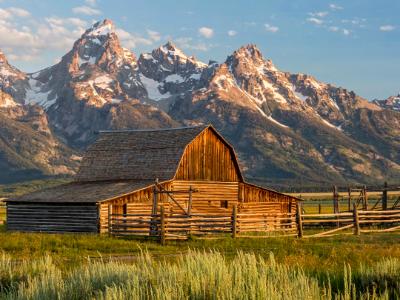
206,32
154,35
346,31
90,2
232,32
9,13
132,40
387,28
333,6
190,44
19,12
319,14
86,10
333,28
315,21
271,28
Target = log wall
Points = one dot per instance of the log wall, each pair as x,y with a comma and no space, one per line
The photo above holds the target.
208,158
42,217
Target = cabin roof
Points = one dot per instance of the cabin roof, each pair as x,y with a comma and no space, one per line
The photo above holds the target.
136,154
84,192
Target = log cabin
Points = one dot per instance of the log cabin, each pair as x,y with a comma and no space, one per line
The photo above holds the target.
125,171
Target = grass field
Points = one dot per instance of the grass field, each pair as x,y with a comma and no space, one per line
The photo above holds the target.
197,269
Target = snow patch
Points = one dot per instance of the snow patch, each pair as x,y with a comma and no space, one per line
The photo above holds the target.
152,88
34,95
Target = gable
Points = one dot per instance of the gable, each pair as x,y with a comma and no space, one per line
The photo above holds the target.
209,157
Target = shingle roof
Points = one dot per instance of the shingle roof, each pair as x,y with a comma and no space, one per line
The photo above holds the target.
136,154
83,192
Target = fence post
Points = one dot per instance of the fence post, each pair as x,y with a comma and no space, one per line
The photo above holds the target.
109,219
189,212
385,196
349,200
356,220
335,200
319,208
234,221
162,225
365,197
299,221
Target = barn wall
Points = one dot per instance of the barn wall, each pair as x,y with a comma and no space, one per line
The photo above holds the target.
208,158
252,194
52,217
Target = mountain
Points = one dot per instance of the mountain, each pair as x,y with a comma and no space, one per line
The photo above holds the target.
393,102
28,149
288,128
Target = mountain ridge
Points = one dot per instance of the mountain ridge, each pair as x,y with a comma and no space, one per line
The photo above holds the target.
285,126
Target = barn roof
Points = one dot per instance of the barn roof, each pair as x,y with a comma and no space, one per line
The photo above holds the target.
138,154
84,192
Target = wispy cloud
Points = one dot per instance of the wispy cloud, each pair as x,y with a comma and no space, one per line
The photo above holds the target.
319,14
11,12
86,10
387,28
346,31
232,33
271,28
333,6
91,2
333,28
190,44
315,21
206,32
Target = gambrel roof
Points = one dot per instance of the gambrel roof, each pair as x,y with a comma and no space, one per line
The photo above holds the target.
139,154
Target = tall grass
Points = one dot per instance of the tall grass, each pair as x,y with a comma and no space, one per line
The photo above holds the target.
194,275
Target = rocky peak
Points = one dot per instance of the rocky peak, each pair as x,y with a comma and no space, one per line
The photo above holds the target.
101,28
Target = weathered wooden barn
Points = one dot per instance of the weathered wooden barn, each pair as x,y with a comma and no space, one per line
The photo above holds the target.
136,171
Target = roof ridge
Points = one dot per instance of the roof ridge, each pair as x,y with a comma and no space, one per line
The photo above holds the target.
150,130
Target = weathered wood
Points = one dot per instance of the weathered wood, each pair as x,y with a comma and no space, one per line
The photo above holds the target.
385,196
234,221
299,221
356,220
162,217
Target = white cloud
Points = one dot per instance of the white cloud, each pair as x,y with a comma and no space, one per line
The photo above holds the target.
271,28
154,35
189,44
387,28
315,21
333,6
333,28
319,14
19,12
86,10
206,32
232,32
132,40
9,13
90,2
346,31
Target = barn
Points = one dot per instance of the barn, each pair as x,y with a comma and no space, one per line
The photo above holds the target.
190,169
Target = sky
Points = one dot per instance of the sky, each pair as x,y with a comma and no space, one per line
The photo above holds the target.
354,44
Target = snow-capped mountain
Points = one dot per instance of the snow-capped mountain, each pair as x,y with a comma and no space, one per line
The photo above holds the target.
285,126
393,102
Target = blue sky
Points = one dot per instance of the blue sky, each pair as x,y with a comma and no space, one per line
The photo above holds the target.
354,44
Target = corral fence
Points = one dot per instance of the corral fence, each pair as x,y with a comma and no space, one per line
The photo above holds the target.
2,211
164,226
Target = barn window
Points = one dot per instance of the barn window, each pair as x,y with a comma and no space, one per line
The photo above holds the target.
224,203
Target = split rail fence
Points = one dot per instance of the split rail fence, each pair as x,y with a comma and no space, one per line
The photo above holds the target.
164,226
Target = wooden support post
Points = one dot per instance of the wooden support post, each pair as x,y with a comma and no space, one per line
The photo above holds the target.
234,221
110,219
299,221
319,208
162,225
153,223
365,197
335,200
356,220
385,196
349,200
189,210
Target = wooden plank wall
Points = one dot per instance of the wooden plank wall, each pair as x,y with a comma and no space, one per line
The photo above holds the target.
207,158
208,196
51,217
251,194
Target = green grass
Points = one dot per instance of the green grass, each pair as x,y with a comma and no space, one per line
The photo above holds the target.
195,275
